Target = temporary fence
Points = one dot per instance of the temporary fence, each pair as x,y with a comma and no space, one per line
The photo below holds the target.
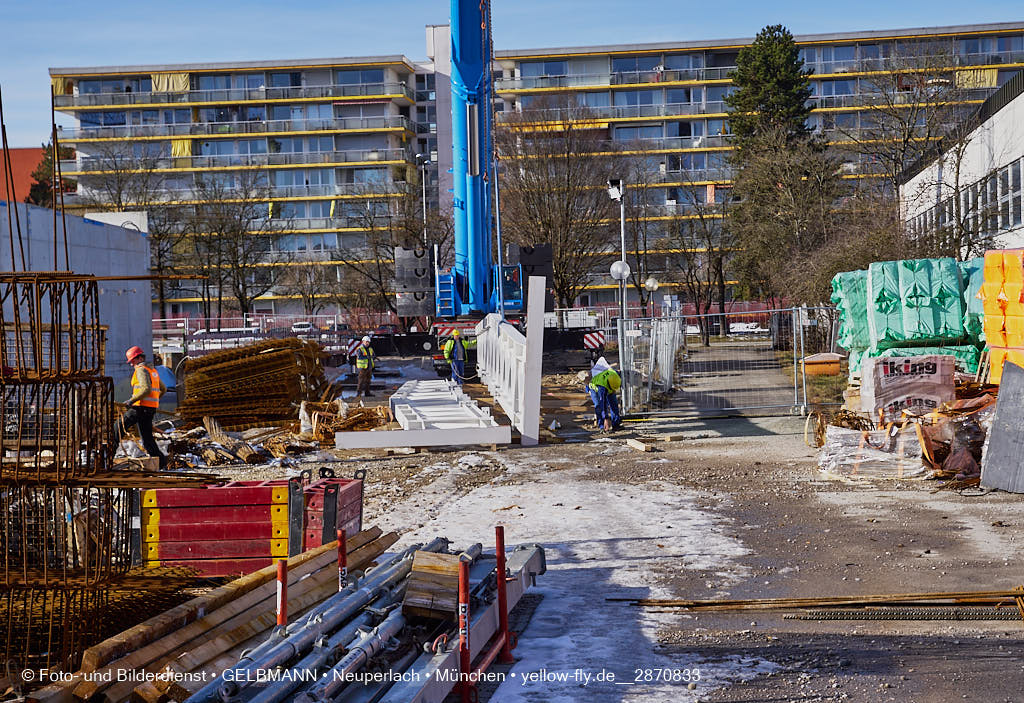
750,362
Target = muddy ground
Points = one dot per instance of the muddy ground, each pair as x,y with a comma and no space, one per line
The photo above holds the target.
735,509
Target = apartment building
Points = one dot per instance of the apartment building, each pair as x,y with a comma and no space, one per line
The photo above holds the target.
324,139
335,136
668,99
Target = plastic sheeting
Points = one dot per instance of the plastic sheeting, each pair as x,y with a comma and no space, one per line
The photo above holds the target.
893,453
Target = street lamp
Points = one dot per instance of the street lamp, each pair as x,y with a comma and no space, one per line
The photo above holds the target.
620,269
651,285
423,160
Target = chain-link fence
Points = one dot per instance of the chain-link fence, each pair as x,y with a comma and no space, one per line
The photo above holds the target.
757,362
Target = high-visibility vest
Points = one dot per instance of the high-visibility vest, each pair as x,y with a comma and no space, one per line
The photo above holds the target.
609,379
364,357
152,397
449,346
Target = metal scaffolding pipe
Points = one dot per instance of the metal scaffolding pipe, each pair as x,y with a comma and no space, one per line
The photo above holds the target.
359,653
284,645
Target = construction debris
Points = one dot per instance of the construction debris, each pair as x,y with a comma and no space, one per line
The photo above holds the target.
254,385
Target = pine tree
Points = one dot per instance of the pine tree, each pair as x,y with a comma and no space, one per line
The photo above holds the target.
772,88
41,190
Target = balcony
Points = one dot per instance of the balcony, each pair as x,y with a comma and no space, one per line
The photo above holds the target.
597,80
238,160
236,95
171,131
666,144
619,112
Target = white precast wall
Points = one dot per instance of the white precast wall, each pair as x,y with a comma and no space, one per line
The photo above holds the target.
509,363
98,249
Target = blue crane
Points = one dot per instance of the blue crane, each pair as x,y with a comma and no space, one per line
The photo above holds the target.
470,287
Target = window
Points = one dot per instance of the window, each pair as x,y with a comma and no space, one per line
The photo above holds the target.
373,75
220,82
680,128
369,175
286,80
1005,44
677,96
180,116
215,114
841,87
846,52
150,150
629,134
635,64
284,145
103,119
144,117
537,69
252,146
287,177
626,98
320,177
254,113
249,81
320,208
320,144
216,147
601,99
718,93
717,128
681,62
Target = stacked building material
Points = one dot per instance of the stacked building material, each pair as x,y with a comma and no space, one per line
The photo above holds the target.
1002,299
242,526
910,307
260,383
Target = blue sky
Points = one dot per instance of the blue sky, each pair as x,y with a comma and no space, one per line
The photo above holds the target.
36,36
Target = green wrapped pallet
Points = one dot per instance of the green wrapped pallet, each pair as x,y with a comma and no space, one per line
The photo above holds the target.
849,294
972,273
884,308
931,300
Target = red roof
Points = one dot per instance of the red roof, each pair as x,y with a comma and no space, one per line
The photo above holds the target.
23,163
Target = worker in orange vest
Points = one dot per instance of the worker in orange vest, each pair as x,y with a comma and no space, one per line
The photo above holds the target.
146,391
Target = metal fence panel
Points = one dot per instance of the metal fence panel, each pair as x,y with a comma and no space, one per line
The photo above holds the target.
734,363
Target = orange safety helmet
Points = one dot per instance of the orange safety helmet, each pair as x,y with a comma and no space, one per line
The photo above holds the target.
133,353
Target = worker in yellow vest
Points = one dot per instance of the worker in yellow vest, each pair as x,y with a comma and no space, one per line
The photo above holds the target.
455,351
365,363
146,391
603,389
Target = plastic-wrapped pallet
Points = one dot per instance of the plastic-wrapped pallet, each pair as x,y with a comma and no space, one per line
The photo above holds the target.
972,275
918,384
885,454
1002,299
884,310
932,300
850,295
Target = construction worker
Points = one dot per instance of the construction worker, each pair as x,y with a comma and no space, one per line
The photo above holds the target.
146,391
603,388
455,355
365,364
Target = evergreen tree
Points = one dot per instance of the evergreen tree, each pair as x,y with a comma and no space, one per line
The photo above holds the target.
772,88
41,190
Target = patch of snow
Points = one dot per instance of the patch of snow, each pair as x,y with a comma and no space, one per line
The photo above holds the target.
601,539
471,460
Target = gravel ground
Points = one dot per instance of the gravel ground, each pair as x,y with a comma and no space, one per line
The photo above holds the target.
735,509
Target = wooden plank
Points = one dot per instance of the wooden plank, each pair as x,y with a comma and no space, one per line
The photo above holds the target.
433,587
233,616
175,618
639,446
377,439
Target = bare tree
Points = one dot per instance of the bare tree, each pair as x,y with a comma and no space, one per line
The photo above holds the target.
553,190
310,280
704,241
237,228
916,99
643,175
119,180
387,223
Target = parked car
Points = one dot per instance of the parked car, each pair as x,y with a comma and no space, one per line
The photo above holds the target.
385,329
303,329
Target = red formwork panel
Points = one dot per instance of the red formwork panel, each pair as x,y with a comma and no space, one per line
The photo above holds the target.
209,568
233,493
217,530
191,532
